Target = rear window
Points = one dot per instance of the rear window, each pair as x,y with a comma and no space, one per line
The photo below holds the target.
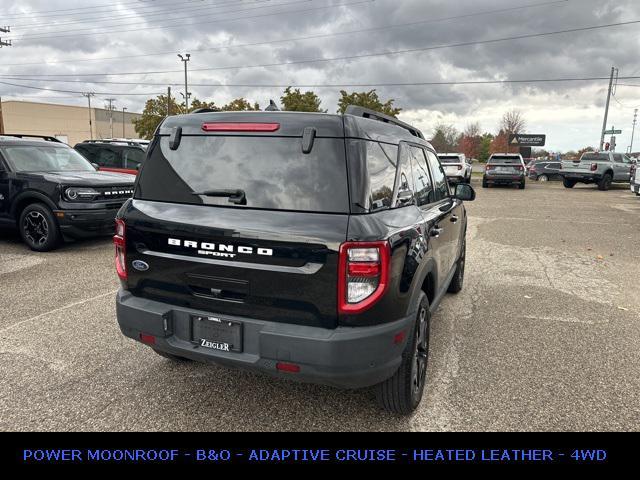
603,157
272,172
449,159
505,159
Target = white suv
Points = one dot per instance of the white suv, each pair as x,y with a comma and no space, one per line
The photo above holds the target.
635,178
456,167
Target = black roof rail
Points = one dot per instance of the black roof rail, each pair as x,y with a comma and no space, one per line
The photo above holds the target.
130,143
204,110
47,138
358,111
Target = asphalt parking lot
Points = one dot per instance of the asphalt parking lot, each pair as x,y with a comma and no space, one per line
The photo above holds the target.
544,336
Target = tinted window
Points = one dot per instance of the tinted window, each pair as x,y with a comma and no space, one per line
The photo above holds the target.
272,171
439,178
405,178
45,159
133,157
422,184
505,159
109,158
381,165
602,157
86,152
449,159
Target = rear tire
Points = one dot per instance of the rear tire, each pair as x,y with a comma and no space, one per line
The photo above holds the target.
485,184
605,182
543,178
521,186
39,228
458,278
174,358
568,183
401,394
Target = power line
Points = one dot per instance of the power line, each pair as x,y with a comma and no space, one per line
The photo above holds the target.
34,37
76,91
347,57
309,37
327,85
138,15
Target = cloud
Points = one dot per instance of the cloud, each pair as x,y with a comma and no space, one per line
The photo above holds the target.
569,113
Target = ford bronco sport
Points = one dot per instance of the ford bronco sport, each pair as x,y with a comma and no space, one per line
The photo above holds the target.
51,193
310,246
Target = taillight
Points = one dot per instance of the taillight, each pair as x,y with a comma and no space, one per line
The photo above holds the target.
520,167
363,275
240,127
594,167
119,240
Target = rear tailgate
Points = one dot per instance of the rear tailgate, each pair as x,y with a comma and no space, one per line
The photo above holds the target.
272,256
583,165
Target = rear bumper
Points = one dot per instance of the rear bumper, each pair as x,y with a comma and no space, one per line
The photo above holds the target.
347,357
455,178
86,223
582,177
504,179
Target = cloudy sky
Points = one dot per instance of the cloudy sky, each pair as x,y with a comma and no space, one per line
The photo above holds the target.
128,49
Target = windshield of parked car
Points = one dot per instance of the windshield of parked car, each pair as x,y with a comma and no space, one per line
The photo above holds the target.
505,159
449,159
44,158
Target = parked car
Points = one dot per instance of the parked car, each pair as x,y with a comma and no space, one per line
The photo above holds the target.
117,155
634,181
308,246
50,192
456,167
601,168
543,171
504,169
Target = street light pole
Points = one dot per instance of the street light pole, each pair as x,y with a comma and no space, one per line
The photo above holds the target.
606,108
185,59
633,131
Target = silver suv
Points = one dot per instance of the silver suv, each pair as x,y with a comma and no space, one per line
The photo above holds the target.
601,168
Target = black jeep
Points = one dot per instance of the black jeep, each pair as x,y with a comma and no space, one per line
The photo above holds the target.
51,192
310,246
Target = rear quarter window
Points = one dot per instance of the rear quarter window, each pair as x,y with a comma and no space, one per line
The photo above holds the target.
272,171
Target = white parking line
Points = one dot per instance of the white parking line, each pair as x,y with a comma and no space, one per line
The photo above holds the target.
74,304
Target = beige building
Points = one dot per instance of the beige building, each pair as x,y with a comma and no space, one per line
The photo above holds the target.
68,123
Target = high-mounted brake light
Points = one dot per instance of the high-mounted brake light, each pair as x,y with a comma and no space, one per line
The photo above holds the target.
363,275
119,240
240,127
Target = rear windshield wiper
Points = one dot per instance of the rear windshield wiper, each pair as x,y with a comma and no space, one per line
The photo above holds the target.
235,196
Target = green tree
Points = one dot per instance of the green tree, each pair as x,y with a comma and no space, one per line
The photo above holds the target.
197,104
485,148
155,109
368,100
445,138
240,105
296,101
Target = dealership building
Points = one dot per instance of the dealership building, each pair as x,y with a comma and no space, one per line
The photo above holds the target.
65,122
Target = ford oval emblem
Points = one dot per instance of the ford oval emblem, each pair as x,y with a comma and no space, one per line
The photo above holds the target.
140,265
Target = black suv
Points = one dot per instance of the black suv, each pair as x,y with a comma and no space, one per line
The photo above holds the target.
544,170
51,192
311,246
120,156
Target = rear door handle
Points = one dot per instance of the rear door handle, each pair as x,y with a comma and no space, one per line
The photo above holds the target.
436,232
454,219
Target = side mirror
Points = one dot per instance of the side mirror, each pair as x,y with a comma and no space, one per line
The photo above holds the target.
465,192
95,165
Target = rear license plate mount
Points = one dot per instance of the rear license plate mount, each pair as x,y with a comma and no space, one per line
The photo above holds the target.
215,333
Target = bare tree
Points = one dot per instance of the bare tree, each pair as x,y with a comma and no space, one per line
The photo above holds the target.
513,122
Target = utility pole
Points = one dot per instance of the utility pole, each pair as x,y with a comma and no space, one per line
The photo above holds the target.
185,60
5,43
124,135
168,101
614,72
633,130
89,95
110,108
1,120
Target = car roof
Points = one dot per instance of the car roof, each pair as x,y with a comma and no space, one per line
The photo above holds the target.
294,123
6,140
